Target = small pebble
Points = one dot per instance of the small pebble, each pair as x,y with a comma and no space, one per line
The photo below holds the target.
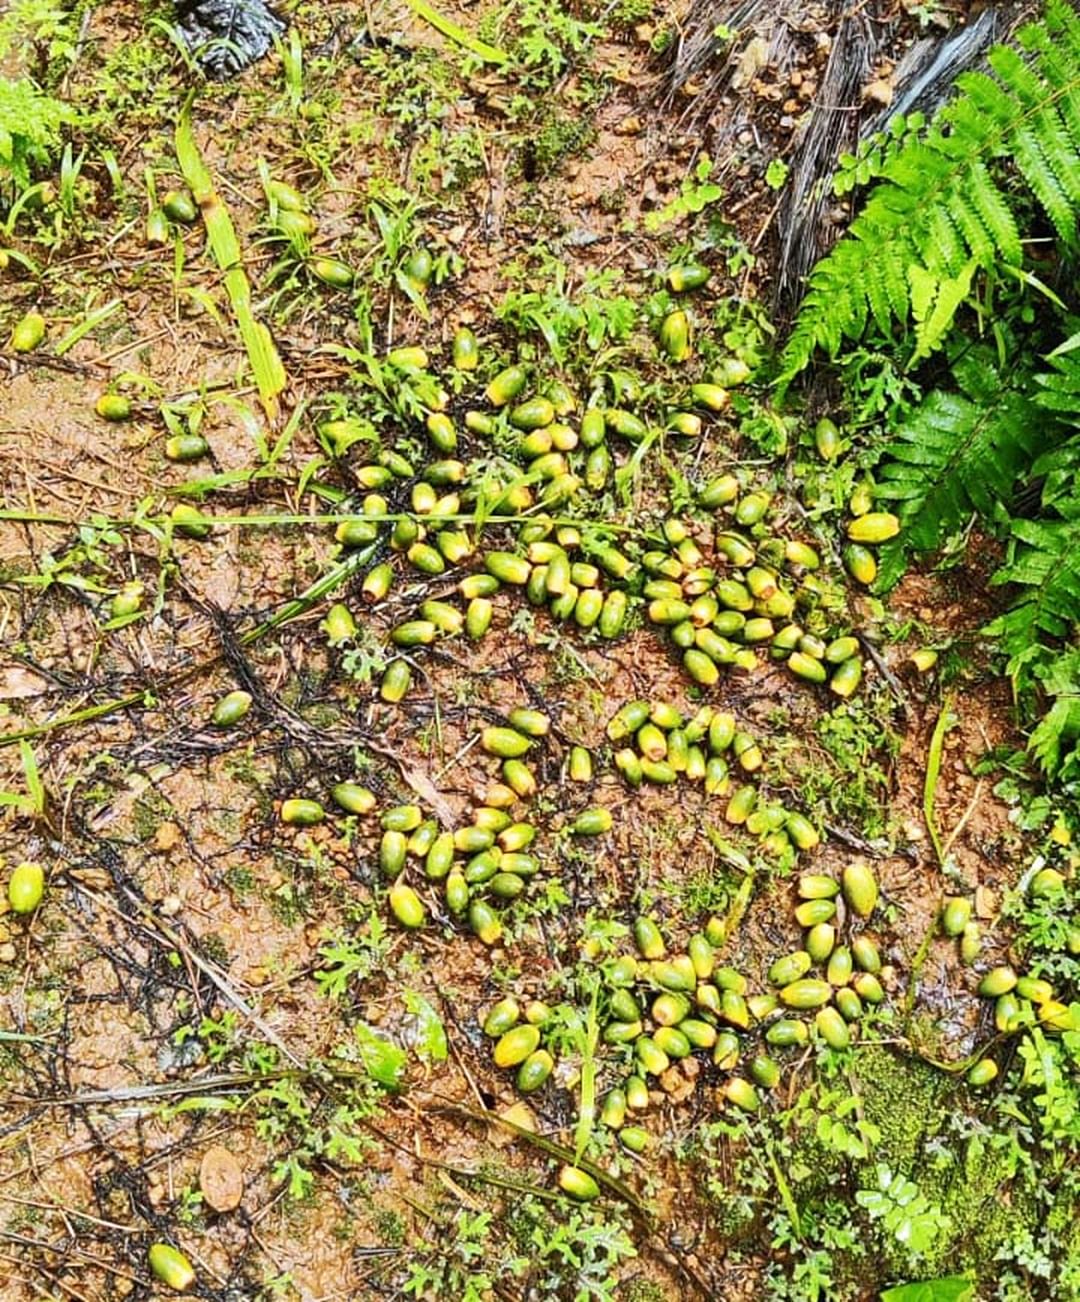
167,837
221,1179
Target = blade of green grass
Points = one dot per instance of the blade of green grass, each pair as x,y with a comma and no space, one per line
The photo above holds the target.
626,475
33,803
201,1103
292,63
227,479
34,785
946,720
587,1111
287,435
270,377
155,523
465,39
85,326
552,1149
790,1205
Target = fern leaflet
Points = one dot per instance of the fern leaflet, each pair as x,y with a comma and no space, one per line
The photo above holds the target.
957,452
941,211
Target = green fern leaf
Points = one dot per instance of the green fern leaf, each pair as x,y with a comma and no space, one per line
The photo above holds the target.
1055,735
1057,44
1061,675
1059,389
1044,153
959,452
1044,565
1045,562
1058,726
945,206
944,247
924,288
988,223
932,324
879,297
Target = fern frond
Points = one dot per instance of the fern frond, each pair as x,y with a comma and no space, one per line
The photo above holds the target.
1059,388
1056,730
1053,739
1058,47
1045,563
942,211
934,305
959,452
1044,153
988,222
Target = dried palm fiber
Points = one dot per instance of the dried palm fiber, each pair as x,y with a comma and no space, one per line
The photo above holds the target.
859,38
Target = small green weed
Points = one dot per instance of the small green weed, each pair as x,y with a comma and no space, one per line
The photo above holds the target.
30,804
696,193
30,130
353,958
904,1212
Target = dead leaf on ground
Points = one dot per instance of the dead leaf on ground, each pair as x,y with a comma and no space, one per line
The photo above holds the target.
17,683
752,60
